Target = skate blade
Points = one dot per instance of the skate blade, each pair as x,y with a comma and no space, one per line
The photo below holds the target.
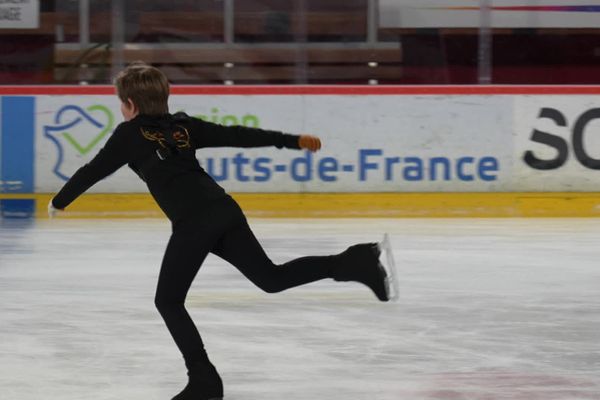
391,281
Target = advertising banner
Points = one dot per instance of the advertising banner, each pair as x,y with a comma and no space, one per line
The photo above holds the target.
557,143
19,14
370,143
493,139
505,13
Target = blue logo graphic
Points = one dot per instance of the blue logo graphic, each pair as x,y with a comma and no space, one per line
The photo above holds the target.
79,131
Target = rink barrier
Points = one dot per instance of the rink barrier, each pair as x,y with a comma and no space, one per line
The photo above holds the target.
31,159
332,205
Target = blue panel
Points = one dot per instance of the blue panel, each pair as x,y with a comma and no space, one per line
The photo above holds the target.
18,132
17,208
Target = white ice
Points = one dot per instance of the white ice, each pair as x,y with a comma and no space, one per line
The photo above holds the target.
488,309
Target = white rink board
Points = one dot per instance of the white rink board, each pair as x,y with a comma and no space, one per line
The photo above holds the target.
371,143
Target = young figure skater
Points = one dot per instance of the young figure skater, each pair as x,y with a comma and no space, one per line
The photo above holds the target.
160,148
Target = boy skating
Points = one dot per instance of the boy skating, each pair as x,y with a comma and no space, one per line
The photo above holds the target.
160,148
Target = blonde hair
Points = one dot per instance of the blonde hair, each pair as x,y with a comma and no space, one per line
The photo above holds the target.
146,86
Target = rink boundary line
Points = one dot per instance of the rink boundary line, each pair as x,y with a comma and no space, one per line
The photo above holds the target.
345,205
352,90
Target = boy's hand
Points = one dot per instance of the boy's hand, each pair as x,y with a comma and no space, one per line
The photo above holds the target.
308,142
52,210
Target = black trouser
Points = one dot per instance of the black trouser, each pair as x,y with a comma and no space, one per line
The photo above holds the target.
221,229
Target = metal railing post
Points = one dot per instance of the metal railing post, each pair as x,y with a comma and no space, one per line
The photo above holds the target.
485,43
372,21
229,21
118,36
84,24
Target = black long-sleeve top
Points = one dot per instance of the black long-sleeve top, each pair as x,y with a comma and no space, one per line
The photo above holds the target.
161,150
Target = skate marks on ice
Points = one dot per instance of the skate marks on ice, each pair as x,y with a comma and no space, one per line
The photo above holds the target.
487,309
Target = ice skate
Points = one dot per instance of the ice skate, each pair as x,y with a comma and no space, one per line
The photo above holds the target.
360,263
386,260
204,384
371,264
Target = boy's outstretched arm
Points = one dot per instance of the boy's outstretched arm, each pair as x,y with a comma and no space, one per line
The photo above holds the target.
207,134
110,158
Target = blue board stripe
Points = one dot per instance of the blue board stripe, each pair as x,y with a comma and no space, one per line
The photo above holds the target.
17,208
18,133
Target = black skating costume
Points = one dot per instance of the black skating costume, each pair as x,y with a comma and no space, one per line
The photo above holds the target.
205,219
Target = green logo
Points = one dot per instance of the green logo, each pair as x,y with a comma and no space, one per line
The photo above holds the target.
249,120
84,148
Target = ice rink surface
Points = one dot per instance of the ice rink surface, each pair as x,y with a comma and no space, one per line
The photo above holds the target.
488,309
